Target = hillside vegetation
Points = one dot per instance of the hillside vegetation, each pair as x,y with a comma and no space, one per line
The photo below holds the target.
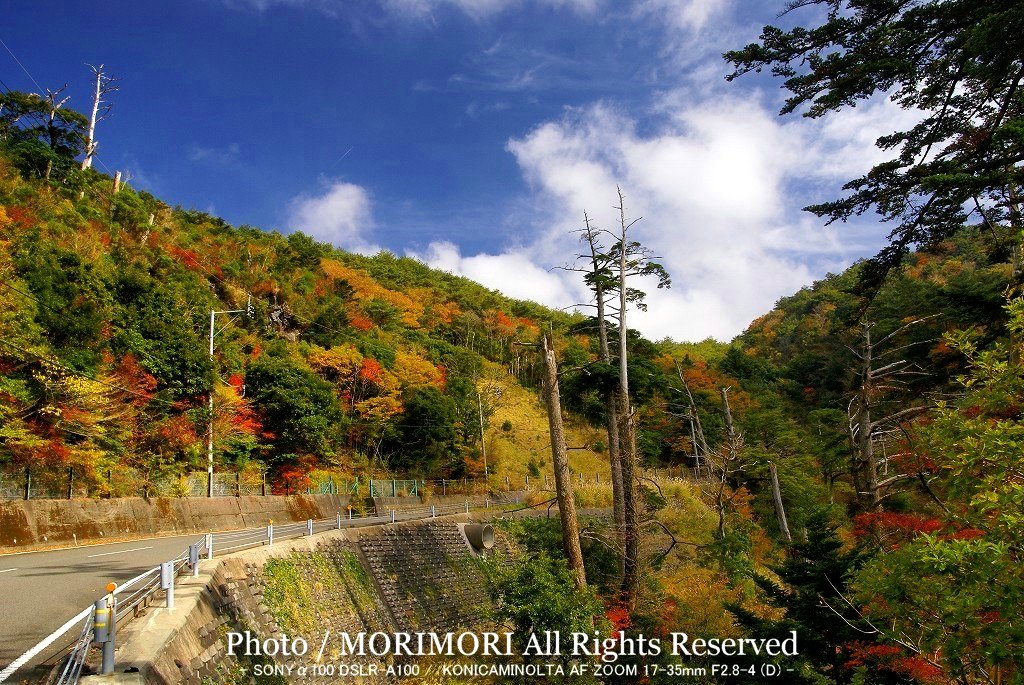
891,419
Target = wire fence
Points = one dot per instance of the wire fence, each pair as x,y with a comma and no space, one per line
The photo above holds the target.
72,483
69,483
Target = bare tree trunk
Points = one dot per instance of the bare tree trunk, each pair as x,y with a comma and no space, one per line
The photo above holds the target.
90,141
727,460
104,85
627,443
864,439
780,511
560,463
611,408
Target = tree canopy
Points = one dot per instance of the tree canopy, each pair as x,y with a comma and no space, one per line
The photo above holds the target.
959,63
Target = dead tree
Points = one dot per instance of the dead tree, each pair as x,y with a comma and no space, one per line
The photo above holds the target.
53,106
868,430
632,260
780,510
104,85
560,463
698,441
599,277
729,465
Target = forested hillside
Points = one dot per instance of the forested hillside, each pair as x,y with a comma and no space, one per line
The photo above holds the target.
329,359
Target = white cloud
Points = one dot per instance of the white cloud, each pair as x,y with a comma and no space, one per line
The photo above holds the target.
684,15
514,273
341,215
217,155
417,9
714,181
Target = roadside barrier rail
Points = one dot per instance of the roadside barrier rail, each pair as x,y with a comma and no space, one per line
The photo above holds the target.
129,600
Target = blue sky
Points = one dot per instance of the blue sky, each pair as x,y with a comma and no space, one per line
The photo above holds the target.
472,134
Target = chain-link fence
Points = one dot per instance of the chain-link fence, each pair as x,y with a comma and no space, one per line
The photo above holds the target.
395,488
74,483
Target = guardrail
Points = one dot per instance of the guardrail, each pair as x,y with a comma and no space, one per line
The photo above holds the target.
130,599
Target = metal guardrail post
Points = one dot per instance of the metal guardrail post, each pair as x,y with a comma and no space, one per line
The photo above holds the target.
309,526
392,516
270,533
105,628
467,506
167,581
209,545
433,513
339,519
101,631
193,558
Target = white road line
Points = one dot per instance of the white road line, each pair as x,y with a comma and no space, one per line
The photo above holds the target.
8,569
120,551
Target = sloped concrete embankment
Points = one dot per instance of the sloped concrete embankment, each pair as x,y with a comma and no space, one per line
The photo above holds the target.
406,577
36,523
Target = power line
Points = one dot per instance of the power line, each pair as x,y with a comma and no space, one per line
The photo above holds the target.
36,115
86,376
41,89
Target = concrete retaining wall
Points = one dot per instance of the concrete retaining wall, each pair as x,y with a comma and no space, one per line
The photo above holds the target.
35,523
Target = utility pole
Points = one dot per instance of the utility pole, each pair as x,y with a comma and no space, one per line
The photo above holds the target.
104,85
248,311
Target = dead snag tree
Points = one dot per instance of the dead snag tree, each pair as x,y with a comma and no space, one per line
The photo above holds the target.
598,275
560,462
869,413
103,85
631,260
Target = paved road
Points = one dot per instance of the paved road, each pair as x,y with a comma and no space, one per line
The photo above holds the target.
39,591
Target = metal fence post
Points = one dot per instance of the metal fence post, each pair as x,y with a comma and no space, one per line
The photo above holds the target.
238,484
167,581
394,488
28,481
71,482
309,526
263,485
209,545
444,487
193,558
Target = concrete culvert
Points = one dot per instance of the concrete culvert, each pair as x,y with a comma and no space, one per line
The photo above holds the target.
480,535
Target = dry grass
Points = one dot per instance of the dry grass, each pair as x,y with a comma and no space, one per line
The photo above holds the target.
524,449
